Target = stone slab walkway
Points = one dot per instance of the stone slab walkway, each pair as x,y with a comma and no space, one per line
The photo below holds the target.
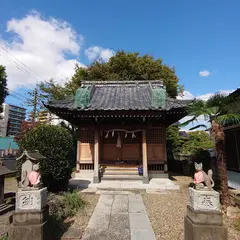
119,217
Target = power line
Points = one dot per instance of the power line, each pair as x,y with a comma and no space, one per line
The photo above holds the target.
16,97
36,75
17,66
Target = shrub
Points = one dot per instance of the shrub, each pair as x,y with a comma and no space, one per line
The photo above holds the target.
72,203
4,237
65,206
56,144
237,224
62,207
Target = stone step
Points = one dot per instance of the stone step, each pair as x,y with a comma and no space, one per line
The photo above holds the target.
120,169
113,172
121,177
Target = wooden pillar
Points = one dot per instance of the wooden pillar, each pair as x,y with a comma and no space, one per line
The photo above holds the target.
78,157
96,157
144,157
165,151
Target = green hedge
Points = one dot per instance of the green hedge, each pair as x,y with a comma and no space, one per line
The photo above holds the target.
56,144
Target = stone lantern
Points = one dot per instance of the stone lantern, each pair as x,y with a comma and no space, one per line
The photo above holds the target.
30,175
30,220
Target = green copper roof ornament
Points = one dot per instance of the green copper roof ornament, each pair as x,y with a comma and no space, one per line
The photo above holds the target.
159,96
82,98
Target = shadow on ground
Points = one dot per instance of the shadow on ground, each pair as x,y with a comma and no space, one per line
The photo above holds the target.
79,184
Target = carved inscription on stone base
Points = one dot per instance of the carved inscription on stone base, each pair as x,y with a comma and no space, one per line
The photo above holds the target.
34,200
204,200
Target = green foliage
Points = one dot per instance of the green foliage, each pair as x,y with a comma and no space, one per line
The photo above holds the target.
218,108
66,206
51,90
122,66
72,203
195,141
219,111
63,207
174,141
237,224
3,86
130,66
198,140
5,237
55,143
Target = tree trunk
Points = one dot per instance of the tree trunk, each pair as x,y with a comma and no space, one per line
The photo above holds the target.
218,133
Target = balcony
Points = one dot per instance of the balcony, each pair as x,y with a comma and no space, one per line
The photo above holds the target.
17,109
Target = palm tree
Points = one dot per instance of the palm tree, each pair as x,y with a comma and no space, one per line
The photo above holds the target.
219,111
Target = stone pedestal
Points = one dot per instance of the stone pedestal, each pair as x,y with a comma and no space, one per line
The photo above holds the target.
203,220
204,200
31,200
30,220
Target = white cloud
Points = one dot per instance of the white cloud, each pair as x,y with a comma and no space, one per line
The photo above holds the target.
204,73
205,97
186,95
50,47
96,52
42,45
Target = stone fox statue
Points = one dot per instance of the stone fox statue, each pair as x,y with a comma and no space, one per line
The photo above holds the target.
201,177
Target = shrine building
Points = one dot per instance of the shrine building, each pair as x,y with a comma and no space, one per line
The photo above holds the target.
121,126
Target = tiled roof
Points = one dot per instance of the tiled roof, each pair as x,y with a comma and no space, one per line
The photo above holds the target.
4,170
33,155
120,95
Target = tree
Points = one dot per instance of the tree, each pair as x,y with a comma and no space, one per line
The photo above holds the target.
219,111
197,141
122,66
130,66
174,141
54,142
3,86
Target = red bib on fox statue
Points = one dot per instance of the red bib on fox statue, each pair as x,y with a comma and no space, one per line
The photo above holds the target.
201,177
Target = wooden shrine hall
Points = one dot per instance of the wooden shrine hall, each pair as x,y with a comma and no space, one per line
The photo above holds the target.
121,125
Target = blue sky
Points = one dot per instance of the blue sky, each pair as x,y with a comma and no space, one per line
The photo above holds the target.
196,37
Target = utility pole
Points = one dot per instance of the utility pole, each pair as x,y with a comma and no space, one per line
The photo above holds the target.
33,103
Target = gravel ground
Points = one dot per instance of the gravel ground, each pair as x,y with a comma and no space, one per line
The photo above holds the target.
167,210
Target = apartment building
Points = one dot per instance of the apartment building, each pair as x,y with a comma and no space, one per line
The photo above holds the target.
45,116
12,118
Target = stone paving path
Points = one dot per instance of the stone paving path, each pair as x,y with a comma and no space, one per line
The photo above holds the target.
119,217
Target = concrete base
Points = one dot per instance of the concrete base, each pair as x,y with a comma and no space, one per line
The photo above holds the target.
30,225
145,180
96,179
202,225
153,175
